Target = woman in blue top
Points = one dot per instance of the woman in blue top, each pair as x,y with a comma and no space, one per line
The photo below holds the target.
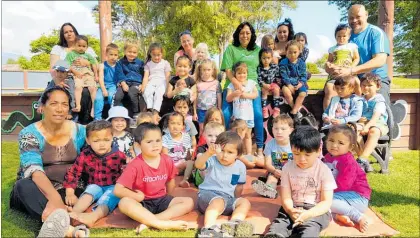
47,148
243,49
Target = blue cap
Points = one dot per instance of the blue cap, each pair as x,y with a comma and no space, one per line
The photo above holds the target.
61,65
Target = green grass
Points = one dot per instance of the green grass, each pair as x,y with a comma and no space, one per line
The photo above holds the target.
397,83
395,197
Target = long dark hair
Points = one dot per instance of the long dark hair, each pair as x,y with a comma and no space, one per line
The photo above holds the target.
62,42
151,48
186,32
287,22
252,44
46,95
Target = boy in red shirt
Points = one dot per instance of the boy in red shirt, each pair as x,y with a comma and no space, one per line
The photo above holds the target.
146,183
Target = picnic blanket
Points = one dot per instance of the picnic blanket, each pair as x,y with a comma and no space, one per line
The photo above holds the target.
263,211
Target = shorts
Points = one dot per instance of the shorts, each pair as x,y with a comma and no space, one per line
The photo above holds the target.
272,87
381,126
87,80
201,114
206,196
250,123
157,205
303,89
102,195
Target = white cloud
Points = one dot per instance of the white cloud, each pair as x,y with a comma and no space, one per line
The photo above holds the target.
319,46
24,22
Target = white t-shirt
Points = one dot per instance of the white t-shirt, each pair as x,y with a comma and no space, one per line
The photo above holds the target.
157,72
243,108
343,54
61,51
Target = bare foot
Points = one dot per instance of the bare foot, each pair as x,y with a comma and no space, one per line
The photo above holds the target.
345,220
173,225
76,109
84,218
364,223
184,184
141,228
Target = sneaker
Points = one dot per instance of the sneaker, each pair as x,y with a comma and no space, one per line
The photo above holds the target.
365,165
276,112
238,228
265,112
263,189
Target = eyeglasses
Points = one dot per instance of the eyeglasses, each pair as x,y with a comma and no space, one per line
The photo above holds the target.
186,32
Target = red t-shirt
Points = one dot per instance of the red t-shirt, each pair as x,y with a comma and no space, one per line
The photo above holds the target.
138,175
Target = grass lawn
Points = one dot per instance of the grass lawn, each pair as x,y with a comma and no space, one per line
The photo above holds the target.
397,83
395,197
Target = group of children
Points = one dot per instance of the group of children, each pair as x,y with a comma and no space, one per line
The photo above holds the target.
136,170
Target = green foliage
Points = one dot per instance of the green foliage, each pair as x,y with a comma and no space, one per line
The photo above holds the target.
406,27
312,68
11,61
320,63
45,43
37,62
397,83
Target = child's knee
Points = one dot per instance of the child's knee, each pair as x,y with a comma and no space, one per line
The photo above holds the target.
189,203
243,202
125,204
374,131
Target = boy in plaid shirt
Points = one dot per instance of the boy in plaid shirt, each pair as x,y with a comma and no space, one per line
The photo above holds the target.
103,165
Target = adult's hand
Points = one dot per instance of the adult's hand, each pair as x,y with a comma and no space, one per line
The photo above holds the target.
124,87
80,62
342,72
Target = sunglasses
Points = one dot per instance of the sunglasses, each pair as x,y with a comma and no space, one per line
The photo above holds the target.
186,32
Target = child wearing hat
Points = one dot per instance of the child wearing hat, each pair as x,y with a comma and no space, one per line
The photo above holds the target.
118,116
62,79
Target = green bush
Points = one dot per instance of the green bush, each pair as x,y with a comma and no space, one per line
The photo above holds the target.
312,68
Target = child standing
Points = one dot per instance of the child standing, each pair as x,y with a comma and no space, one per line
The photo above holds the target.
268,42
107,84
147,182
242,100
202,51
156,76
307,186
300,37
118,116
103,164
269,80
293,77
373,122
343,54
277,153
209,92
346,107
177,144
85,76
352,195
129,76
220,193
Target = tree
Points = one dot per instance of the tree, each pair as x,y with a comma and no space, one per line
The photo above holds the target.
320,63
11,61
406,27
312,68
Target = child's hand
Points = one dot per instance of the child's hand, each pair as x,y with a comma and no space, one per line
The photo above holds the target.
71,199
277,173
326,120
291,88
362,120
104,92
365,130
77,74
96,79
304,216
140,195
299,85
195,117
141,89
237,93
335,122
294,213
125,87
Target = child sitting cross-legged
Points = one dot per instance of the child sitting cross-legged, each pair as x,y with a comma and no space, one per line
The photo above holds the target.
220,193
147,182
103,164
277,153
307,186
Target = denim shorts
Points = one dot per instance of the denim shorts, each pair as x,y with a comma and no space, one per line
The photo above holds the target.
157,205
102,195
206,196
250,123
201,114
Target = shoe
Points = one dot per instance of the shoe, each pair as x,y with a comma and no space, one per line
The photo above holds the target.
276,112
365,165
265,112
263,189
238,228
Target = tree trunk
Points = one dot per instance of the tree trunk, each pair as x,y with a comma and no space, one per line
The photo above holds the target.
386,23
105,26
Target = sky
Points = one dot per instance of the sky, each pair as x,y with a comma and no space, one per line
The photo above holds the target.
25,21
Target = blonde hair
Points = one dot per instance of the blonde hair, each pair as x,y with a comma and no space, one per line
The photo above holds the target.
144,117
204,48
197,73
131,44
265,39
214,126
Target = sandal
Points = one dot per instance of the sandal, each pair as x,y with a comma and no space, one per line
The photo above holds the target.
81,228
56,225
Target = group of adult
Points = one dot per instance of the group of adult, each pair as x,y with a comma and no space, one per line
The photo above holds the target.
50,146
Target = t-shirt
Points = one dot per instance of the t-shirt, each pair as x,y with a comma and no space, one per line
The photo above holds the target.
207,94
343,54
124,144
348,174
73,55
177,150
306,184
157,72
188,81
372,41
223,178
190,128
242,108
280,155
109,72
62,53
376,104
345,109
138,175
234,54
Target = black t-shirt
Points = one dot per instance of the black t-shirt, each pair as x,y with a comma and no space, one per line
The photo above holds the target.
189,81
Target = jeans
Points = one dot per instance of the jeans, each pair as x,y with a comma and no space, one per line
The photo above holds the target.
385,90
100,100
350,204
102,195
258,118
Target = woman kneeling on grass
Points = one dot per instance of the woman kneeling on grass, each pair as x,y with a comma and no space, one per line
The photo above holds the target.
47,148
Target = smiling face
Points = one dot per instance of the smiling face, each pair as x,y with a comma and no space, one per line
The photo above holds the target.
241,74
245,36
118,124
292,53
369,88
183,67
338,144
343,36
228,154
201,54
281,132
357,18
304,159
69,34
156,55
151,144
283,33
187,42
175,125
100,141
131,53
56,107
81,46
